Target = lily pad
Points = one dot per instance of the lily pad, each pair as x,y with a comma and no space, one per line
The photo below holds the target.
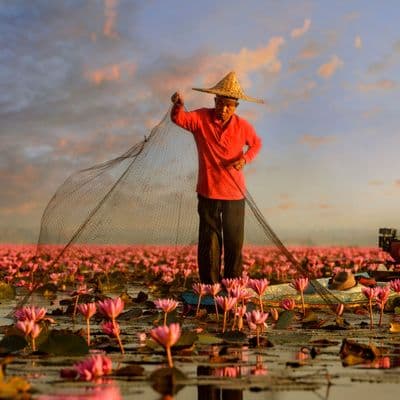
12,343
7,292
209,339
285,319
186,340
63,344
234,337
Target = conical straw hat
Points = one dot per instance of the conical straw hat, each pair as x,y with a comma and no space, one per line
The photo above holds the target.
229,87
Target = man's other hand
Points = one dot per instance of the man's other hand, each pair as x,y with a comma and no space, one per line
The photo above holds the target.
238,164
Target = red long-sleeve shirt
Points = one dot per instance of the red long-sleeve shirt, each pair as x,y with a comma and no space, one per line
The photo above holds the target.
217,147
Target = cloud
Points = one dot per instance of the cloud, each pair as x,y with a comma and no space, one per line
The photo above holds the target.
311,50
358,42
382,84
302,92
246,60
328,69
324,206
296,33
352,16
110,18
397,183
170,73
316,141
375,182
286,205
110,73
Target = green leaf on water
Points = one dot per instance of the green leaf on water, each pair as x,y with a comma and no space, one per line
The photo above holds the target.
7,292
187,339
208,339
64,344
234,337
12,343
285,319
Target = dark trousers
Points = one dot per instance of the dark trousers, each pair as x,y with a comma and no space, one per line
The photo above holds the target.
221,223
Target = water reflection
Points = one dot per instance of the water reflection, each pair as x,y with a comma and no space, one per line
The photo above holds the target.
108,391
212,392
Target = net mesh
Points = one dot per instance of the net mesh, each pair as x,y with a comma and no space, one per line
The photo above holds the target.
146,196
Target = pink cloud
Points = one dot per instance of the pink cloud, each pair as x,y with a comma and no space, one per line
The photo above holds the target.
316,141
375,182
297,32
109,73
383,84
328,69
311,50
358,42
24,208
205,70
246,60
110,18
397,183
286,205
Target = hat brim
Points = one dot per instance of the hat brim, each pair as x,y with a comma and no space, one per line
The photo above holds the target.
337,285
232,95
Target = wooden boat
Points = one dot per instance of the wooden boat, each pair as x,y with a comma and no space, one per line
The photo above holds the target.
276,293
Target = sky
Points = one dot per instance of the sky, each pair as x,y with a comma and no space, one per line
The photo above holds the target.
82,81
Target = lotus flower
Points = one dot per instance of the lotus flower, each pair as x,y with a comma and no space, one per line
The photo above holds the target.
87,310
112,308
93,367
167,336
201,290
288,304
256,320
167,305
382,297
226,304
300,285
395,285
370,293
259,286
214,289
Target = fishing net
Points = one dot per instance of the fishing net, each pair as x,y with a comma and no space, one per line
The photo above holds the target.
145,197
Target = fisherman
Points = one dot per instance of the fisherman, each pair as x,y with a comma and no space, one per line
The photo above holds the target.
225,144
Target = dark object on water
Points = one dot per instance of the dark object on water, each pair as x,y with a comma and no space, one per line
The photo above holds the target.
389,242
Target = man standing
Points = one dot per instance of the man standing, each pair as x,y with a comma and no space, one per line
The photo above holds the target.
221,137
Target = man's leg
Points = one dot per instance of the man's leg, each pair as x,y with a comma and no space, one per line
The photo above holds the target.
233,233
210,240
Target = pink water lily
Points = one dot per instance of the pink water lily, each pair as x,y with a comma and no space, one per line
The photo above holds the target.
93,367
256,321
288,304
111,329
167,336
30,329
87,310
382,297
167,305
226,304
370,293
300,285
395,285
30,313
201,290
213,290
112,308
259,286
